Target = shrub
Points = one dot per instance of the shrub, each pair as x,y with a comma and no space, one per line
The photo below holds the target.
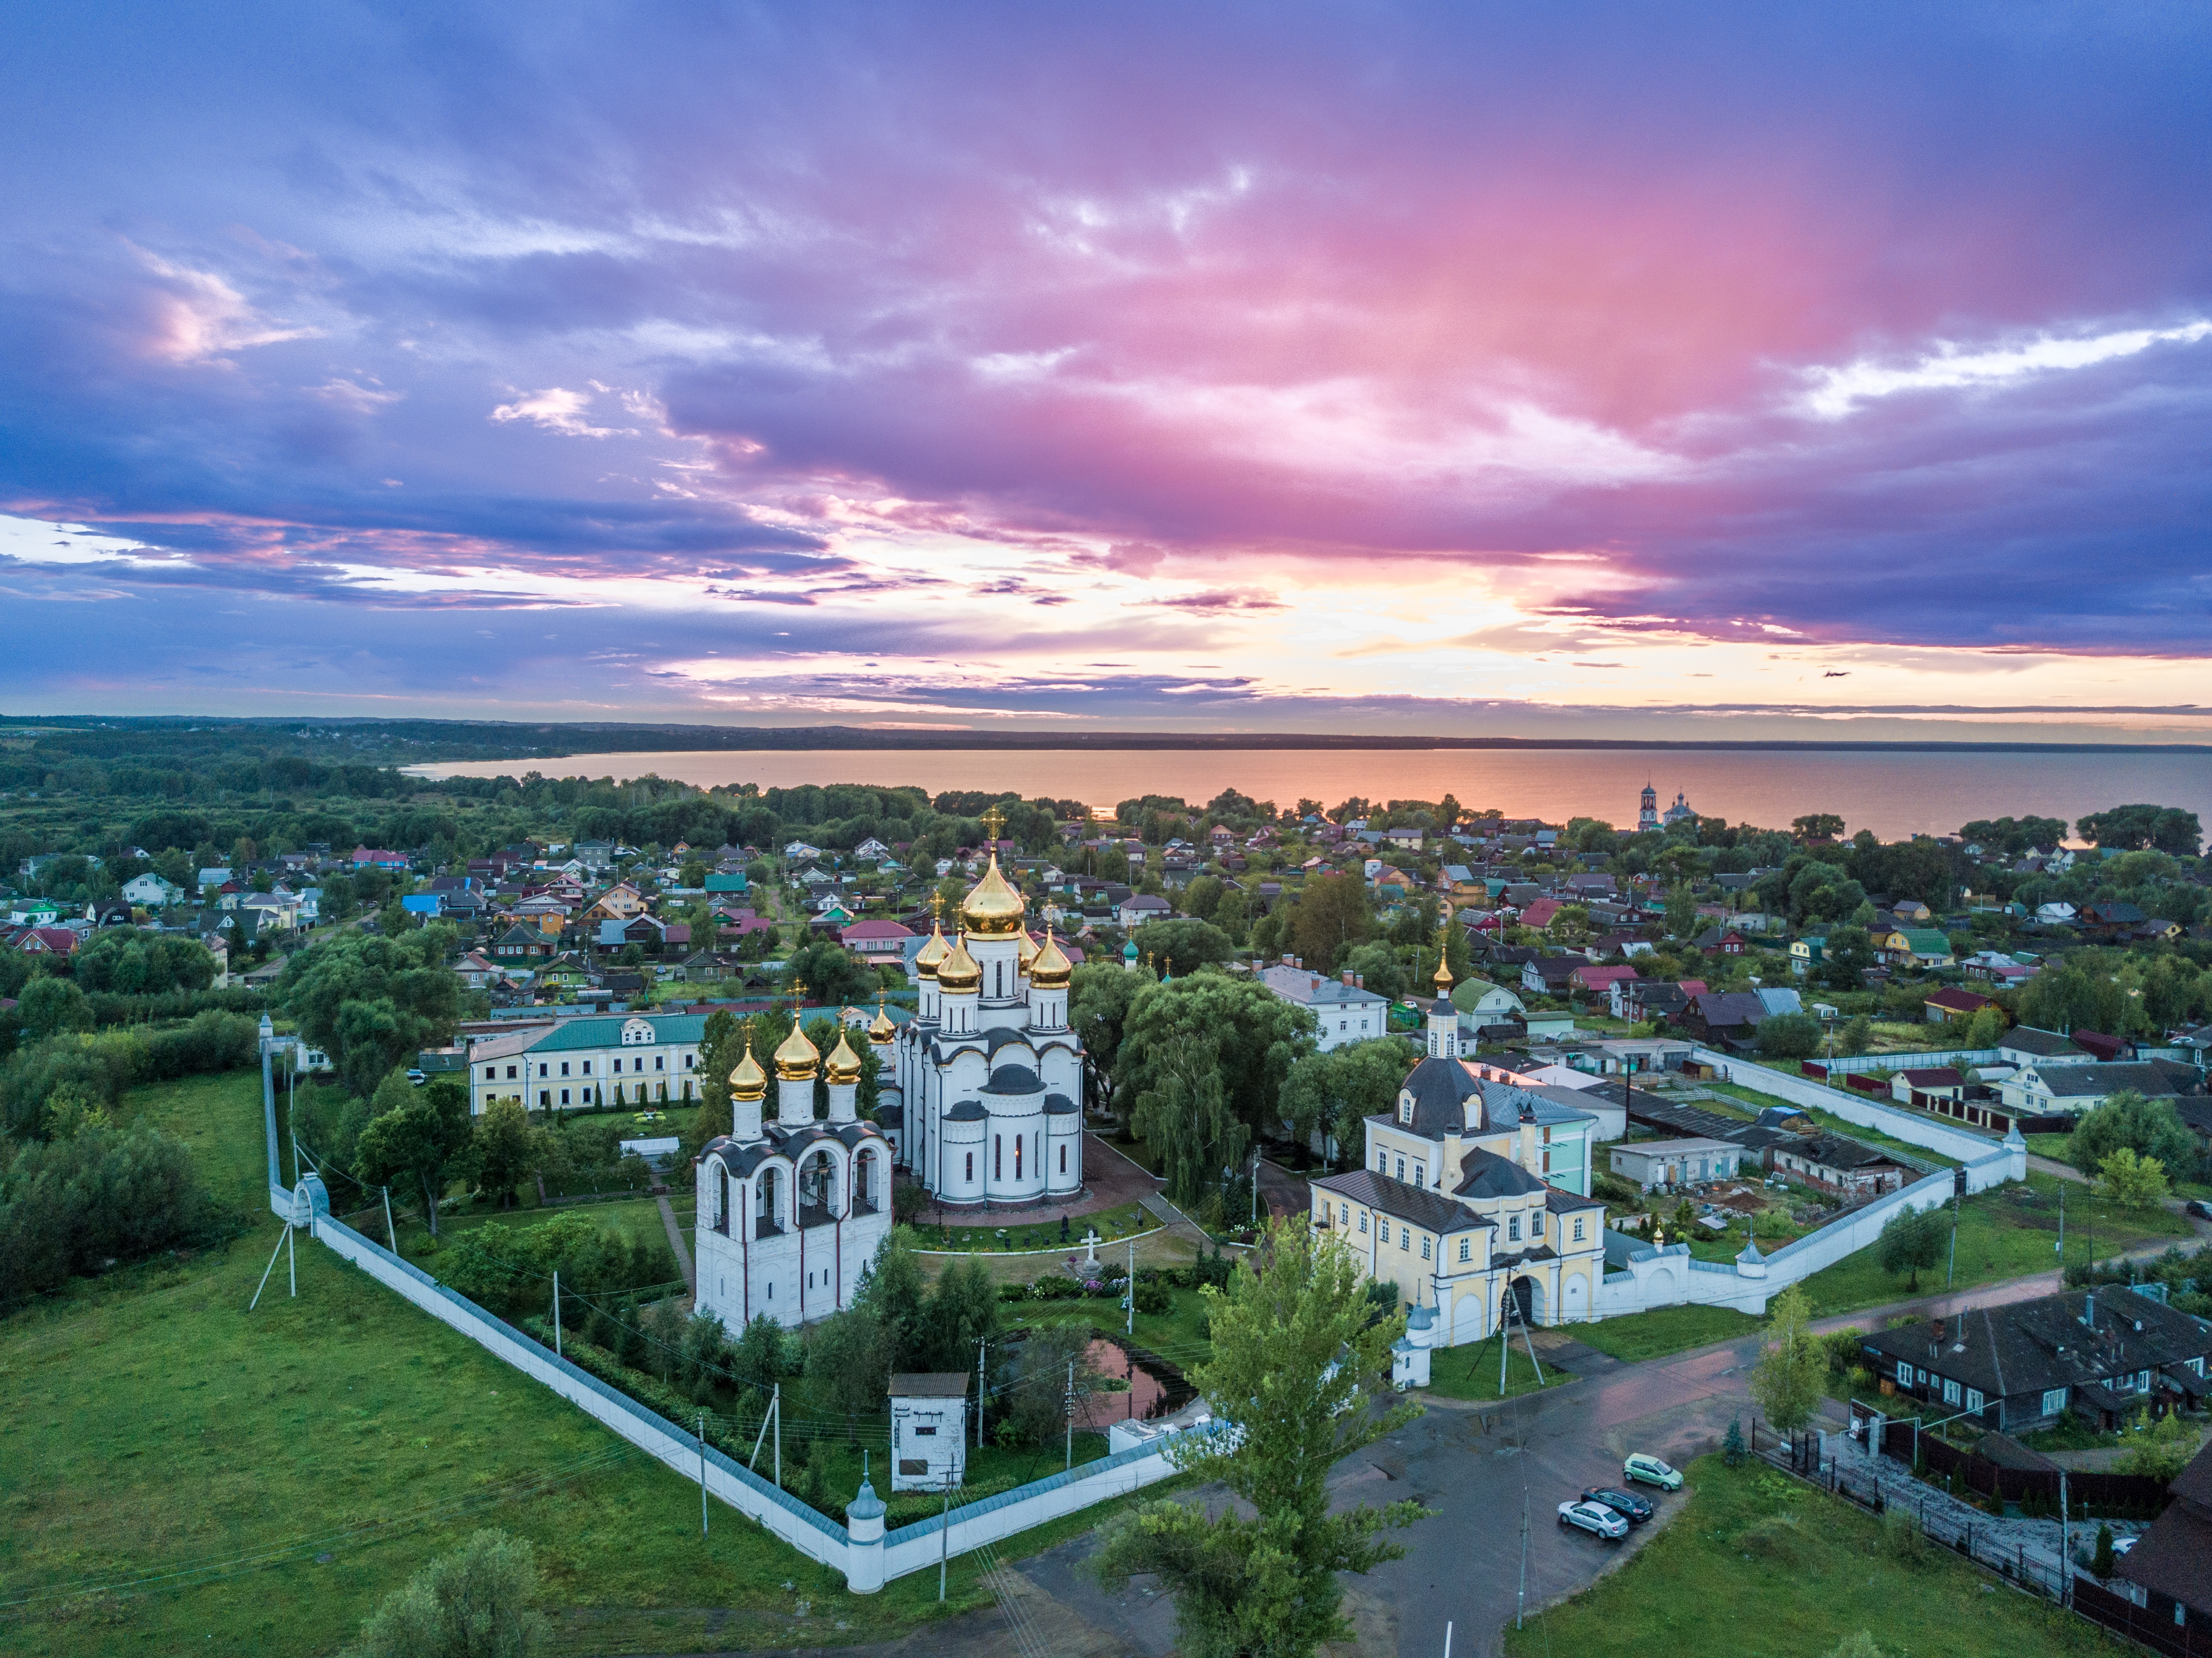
1776,1537
1843,1348
1153,1298
1900,1534
94,1194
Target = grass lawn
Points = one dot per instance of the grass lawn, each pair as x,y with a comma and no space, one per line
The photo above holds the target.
157,1429
1794,1591
1112,1224
2007,1233
2052,1146
1668,1330
1471,1373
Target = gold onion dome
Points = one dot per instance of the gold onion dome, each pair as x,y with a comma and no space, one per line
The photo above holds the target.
931,954
959,974
1443,977
749,1081
1051,969
1026,951
992,909
795,1057
843,1065
882,1031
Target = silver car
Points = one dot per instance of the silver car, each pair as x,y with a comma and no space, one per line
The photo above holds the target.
1595,1518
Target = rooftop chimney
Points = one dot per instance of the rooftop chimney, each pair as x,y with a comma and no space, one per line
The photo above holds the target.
1347,977
2089,1309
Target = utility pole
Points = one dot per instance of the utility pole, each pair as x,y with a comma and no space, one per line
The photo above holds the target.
556,1312
776,1407
1071,1414
944,1541
703,1473
390,1236
1952,1266
1521,1599
980,1342
1132,1328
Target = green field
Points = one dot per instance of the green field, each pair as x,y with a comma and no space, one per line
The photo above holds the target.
1668,1330
1793,1592
174,1465
2007,1233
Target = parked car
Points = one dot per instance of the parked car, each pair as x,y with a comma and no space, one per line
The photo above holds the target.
1651,1471
1595,1518
2197,1207
1629,1506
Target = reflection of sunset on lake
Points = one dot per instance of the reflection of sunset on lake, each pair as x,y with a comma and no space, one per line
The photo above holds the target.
1154,1390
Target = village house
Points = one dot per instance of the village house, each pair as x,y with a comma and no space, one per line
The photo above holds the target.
1929,1088
2168,1573
1653,1164
1347,1011
2096,1354
1837,1164
1942,1006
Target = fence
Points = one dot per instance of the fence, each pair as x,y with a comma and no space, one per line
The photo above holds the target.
2123,1617
1984,1545
858,1549
1989,1162
1928,1061
2112,1495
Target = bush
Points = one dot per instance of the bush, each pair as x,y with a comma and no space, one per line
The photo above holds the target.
94,1194
1842,1349
1622,1193
1789,1036
1153,1298
1900,1534
1776,1537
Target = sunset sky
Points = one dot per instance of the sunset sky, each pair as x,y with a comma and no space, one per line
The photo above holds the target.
1714,371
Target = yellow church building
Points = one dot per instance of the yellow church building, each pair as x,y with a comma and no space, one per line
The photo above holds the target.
1451,1205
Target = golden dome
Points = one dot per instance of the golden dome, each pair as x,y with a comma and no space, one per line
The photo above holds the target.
843,1065
795,1056
1051,969
959,975
749,1082
992,909
883,1030
1026,951
931,954
1443,978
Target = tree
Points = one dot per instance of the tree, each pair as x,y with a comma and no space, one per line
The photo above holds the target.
2163,829
1101,996
849,1357
893,1289
1202,1062
1849,954
2132,1181
1789,1036
756,1358
1987,1028
1681,910
1037,1402
1791,1375
831,977
417,1140
2162,1452
1333,913
1180,944
2126,1121
1818,825
1300,1370
963,1309
49,1006
1333,1093
505,1149
1912,1239
475,1604
1857,1035
2101,1563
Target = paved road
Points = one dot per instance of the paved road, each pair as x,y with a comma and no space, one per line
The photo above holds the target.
676,1242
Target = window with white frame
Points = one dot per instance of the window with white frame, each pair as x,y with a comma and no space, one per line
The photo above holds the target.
1974,1400
1424,1248
1904,1372
2054,1402
1513,1229
1466,1250
1950,1391
1362,1220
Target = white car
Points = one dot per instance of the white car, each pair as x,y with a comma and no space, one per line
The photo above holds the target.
1595,1518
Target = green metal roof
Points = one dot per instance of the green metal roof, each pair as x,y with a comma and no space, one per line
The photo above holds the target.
607,1032
1926,941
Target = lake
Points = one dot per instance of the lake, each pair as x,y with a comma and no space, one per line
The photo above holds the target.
1892,793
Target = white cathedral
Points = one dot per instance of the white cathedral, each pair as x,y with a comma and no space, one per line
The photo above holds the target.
791,1211
981,1092
989,1076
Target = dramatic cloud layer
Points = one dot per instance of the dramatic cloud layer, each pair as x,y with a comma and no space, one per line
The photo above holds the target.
1233,365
